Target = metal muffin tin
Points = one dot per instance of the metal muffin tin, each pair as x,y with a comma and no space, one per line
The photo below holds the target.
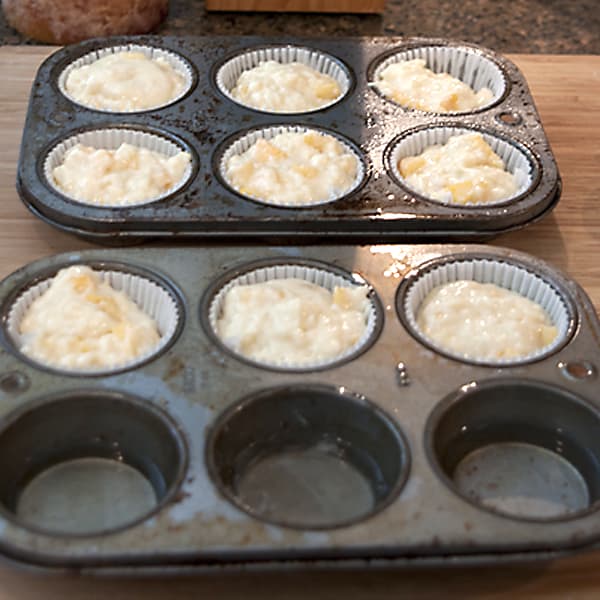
205,121
399,418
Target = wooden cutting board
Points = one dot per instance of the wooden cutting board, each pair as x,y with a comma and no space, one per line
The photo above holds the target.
567,94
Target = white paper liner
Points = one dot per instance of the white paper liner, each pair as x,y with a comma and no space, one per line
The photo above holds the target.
516,161
316,276
178,63
153,299
240,145
503,274
472,68
230,72
111,139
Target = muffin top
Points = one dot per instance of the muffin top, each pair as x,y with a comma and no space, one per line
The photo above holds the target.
81,323
464,170
125,81
285,87
126,176
292,320
484,321
294,168
412,84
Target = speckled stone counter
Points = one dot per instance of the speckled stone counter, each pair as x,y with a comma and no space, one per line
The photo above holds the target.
534,26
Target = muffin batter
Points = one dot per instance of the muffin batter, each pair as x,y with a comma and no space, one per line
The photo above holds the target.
484,321
81,322
413,85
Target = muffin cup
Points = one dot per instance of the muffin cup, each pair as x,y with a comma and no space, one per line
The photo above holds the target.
307,456
520,448
151,297
111,139
88,462
517,159
244,142
178,63
316,275
229,72
469,66
507,275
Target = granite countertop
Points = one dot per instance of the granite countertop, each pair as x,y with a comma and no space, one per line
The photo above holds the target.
527,26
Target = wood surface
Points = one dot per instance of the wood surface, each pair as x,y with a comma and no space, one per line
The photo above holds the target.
316,6
567,94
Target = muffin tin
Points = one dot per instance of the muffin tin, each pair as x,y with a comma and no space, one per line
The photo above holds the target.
206,122
397,455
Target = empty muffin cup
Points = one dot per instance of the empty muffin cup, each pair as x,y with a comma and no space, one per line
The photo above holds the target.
517,159
88,463
229,72
259,351
131,182
549,295
307,457
181,68
523,449
468,65
339,172
152,295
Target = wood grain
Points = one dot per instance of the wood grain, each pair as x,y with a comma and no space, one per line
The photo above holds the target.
567,93
316,6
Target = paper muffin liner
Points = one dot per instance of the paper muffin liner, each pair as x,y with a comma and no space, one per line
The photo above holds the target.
150,297
243,143
517,160
178,63
111,139
510,276
469,66
229,73
317,276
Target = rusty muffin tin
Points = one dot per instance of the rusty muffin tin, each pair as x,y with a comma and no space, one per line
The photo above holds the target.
205,121
391,457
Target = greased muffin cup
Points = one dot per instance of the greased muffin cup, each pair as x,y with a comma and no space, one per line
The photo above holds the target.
245,141
177,62
316,275
229,72
468,65
507,275
111,139
151,297
517,159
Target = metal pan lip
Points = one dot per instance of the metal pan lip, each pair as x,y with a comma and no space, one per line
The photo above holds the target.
218,84
220,282
532,158
483,53
106,47
47,272
163,134
455,397
273,129
342,392
174,428
553,280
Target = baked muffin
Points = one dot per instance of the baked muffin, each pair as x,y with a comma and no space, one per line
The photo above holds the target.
68,21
